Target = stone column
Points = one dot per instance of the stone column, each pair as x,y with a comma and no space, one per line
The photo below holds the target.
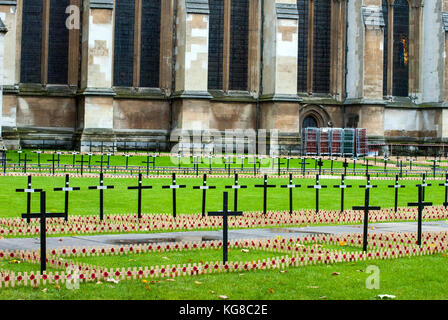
95,114
191,107
280,103
280,50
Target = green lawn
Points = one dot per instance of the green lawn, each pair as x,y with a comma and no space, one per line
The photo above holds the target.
416,278
158,200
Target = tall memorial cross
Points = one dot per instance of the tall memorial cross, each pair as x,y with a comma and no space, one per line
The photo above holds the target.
204,189
174,187
43,215
28,190
291,186
225,214
139,188
67,189
265,187
366,208
101,188
396,186
342,186
421,204
236,186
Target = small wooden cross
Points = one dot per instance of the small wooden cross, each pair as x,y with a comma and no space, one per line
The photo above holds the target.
38,152
235,187
101,163
345,166
396,186
303,164
174,187
204,189
101,188
29,190
225,213
127,156
254,162
291,186
424,185
53,161
342,186
320,165
25,162
265,186
43,215
366,209
82,163
4,160
317,187
67,189
421,204
147,162
139,188
434,167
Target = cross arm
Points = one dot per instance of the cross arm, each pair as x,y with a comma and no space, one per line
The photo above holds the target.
29,190
67,189
142,187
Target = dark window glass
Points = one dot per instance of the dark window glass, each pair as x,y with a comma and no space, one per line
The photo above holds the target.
401,49
322,38
124,43
30,67
309,122
58,43
216,40
302,5
150,37
239,44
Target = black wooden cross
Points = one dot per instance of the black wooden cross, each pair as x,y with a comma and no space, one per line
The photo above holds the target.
82,163
303,164
59,157
265,186
236,187
196,162
74,153
4,160
179,160
53,161
354,165
421,204
291,186
19,152
331,164
173,187
43,215
227,163
410,163
243,158
28,190
38,152
90,154
127,155
210,161
345,166
434,167
101,163
288,159
254,162
25,160
342,186
320,165
139,188
147,162
401,168
225,213
317,187
396,186
424,185
279,164
67,189
366,209
101,188
445,204
367,165
385,164
204,189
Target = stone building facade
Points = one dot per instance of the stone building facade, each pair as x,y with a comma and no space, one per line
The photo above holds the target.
78,71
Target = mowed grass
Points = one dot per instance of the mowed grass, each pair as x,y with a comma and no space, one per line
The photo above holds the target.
416,278
186,162
157,200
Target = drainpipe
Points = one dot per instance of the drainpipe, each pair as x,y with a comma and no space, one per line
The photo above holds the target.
173,74
260,87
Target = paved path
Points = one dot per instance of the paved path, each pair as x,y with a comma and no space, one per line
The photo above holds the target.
122,239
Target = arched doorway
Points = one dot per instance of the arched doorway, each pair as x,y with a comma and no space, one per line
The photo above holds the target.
309,122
